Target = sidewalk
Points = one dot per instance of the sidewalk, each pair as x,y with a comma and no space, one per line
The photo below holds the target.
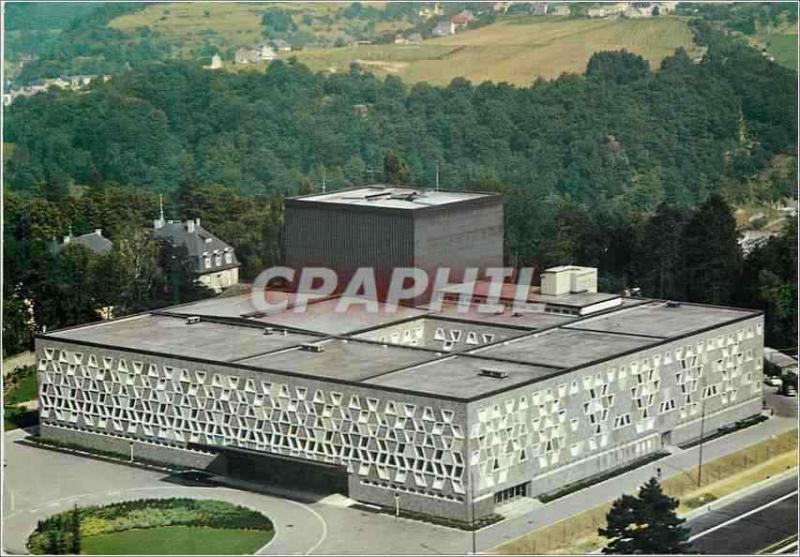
678,463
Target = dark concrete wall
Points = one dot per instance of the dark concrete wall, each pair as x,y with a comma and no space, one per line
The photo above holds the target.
459,236
345,240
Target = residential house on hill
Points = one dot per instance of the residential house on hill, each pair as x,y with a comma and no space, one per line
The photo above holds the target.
538,8
281,46
94,241
444,28
427,13
216,63
462,19
558,10
251,55
214,261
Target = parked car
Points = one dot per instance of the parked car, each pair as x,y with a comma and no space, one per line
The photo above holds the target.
790,391
773,380
193,477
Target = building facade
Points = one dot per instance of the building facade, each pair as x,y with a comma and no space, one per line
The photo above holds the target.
450,434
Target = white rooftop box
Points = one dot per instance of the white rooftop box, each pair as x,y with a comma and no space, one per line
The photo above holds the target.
568,279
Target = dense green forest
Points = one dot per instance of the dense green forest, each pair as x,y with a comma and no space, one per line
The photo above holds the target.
744,17
617,168
32,27
620,134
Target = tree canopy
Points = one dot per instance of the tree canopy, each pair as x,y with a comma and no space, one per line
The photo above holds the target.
645,524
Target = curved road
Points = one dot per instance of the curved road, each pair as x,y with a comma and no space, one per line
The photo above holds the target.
299,529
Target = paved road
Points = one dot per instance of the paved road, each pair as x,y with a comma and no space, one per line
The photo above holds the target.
750,524
785,406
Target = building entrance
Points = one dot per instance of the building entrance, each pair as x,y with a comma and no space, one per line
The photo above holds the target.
514,492
276,470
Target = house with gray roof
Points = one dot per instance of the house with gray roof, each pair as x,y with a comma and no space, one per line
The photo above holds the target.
213,260
94,241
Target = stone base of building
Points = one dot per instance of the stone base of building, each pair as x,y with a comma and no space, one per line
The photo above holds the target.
144,451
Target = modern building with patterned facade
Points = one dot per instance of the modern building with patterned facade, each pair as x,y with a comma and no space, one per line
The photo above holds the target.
446,413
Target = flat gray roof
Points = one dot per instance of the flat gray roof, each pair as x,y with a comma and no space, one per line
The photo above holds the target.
174,337
370,358
564,347
524,320
350,360
577,300
435,334
323,317
459,376
391,197
656,319
229,306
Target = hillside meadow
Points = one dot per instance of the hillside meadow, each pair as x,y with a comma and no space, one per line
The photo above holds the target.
516,50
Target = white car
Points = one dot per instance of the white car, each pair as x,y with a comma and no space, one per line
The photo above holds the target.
773,381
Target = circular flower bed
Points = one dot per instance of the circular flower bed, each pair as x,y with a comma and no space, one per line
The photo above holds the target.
153,527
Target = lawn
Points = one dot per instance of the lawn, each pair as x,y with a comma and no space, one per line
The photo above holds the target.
177,540
24,389
516,50
784,49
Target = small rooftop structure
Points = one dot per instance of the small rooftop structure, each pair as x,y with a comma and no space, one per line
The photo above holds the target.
785,362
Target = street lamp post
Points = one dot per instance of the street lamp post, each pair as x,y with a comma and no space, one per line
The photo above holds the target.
702,432
131,447
396,504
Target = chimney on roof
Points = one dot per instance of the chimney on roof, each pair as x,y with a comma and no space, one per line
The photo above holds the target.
67,239
98,231
197,222
190,226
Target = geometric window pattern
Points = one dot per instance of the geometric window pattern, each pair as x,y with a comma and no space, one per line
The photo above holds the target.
551,427
397,443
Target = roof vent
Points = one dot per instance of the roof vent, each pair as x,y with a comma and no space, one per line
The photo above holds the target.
193,320
269,331
494,373
312,347
671,304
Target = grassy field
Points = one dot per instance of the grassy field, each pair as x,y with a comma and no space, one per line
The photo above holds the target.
189,25
516,50
20,387
177,540
233,25
784,48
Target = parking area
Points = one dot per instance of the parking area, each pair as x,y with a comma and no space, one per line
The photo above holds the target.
784,406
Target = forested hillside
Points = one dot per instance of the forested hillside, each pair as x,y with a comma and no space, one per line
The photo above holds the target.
621,134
